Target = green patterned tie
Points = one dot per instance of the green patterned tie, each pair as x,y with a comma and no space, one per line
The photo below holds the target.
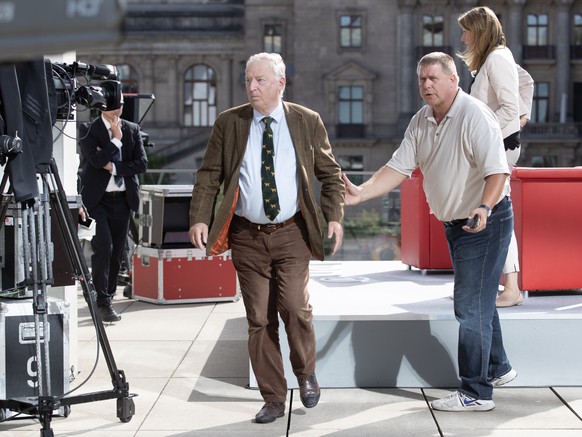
270,197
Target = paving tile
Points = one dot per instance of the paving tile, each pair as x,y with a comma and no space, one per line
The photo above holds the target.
215,359
98,418
208,406
526,409
234,307
349,412
142,320
265,431
136,358
573,397
224,326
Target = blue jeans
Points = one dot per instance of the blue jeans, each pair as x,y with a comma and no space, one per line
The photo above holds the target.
478,263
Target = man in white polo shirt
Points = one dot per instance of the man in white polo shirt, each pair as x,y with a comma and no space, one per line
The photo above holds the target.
456,142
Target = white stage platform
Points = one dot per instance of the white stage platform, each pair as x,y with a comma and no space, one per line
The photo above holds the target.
379,324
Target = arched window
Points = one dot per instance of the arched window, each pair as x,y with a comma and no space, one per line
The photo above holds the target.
128,77
199,96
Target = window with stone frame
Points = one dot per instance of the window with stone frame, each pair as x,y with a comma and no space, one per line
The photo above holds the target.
541,103
433,30
577,36
577,102
273,38
576,47
432,35
537,43
200,96
351,31
537,29
350,111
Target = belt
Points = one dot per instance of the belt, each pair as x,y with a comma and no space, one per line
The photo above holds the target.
268,228
463,222
457,222
114,194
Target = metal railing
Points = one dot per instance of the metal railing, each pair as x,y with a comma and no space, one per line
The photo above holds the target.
552,130
371,230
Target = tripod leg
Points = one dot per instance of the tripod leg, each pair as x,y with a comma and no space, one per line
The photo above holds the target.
36,270
4,203
43,262
45,408
39,301
68,228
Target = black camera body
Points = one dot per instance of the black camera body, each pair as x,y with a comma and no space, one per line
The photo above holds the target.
104,97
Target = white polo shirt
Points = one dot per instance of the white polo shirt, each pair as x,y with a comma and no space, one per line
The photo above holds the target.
454,156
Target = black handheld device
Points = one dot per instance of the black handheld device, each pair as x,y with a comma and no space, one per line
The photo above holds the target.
473,221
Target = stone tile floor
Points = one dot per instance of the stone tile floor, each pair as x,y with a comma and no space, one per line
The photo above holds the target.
188,365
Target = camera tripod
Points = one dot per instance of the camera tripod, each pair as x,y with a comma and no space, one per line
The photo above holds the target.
38,272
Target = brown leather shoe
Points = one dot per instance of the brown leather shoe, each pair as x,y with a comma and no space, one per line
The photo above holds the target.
270,412
309,391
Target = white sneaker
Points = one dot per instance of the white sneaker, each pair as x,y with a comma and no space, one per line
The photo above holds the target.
504,379
458,401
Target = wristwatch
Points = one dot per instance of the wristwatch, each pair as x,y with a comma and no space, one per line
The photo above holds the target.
486,208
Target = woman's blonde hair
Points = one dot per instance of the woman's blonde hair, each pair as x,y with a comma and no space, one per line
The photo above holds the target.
487,32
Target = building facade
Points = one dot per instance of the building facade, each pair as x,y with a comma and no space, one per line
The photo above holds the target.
353,61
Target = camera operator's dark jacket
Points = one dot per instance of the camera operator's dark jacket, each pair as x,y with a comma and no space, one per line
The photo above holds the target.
97,150
25,111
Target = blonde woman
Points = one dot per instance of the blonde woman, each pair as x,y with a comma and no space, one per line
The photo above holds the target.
508,90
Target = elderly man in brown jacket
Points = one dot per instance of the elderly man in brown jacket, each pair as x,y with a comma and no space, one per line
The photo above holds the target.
267,155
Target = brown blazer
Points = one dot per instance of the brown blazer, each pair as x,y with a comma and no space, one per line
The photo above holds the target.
223,159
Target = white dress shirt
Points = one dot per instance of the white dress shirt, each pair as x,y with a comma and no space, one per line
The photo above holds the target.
111,185
250,200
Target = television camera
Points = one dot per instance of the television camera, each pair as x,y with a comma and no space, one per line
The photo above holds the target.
105,97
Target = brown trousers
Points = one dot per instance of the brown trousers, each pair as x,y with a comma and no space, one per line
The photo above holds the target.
273,272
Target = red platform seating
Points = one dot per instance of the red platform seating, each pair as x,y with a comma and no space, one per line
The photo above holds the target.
547,203
423,242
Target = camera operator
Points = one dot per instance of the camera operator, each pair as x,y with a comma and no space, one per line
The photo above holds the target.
112,155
